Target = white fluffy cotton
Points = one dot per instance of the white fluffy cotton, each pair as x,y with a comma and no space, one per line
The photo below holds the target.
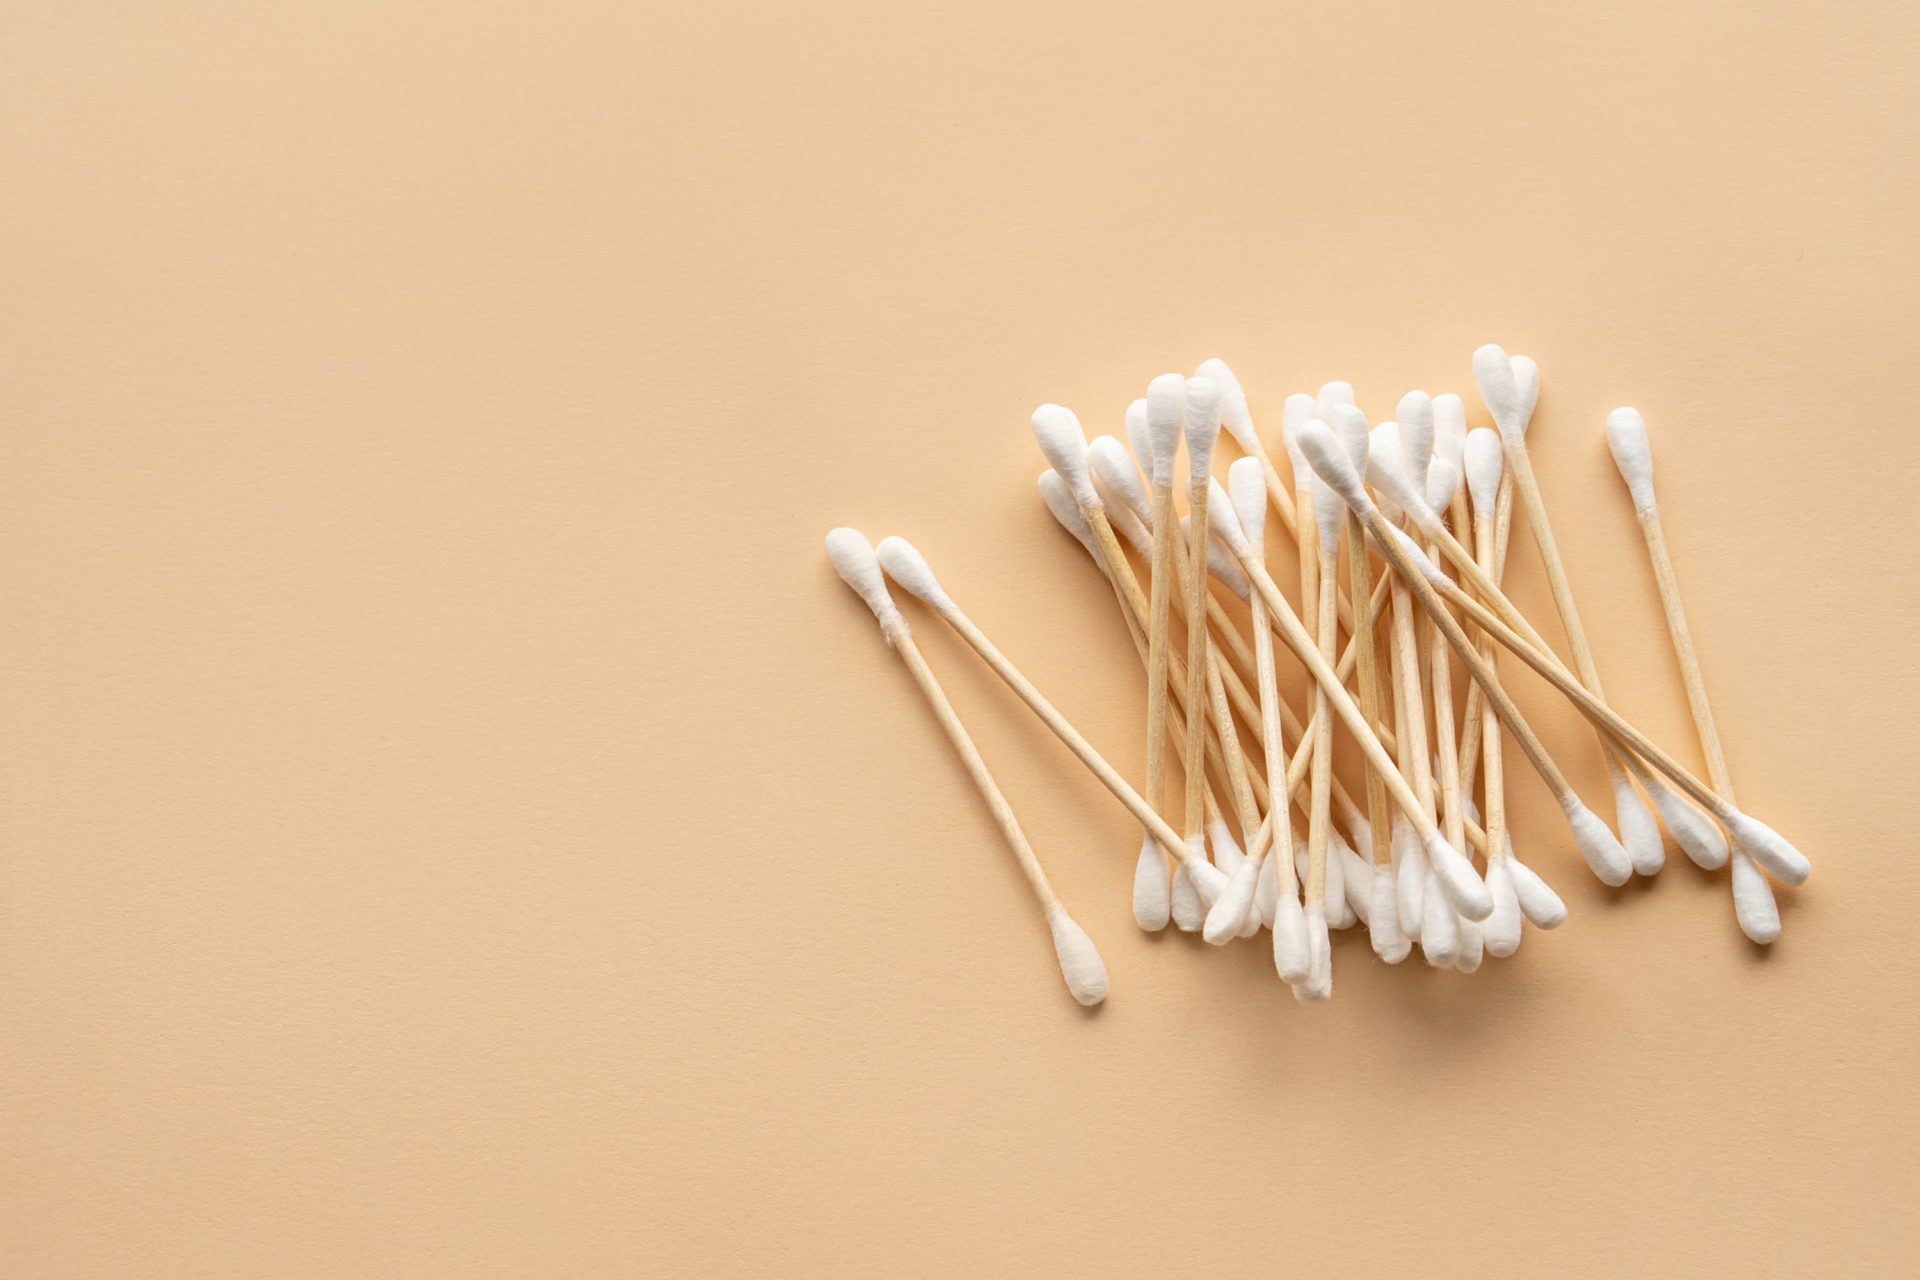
1450,430
1189,913
1152,900
1493,371
1698,836
1633,454
1080,962
1202,416
1166,416
1415,416
1233,402
1058,433
1229,912
1292,954
1266,893
1332,395
1439,932
1139,435
1639,833
1054,492
1753,904
906,566
854,560
1356,877
1327,456
1770,849
1464,890
1485,460
1538,901
1226,526
1472,946
1319,983
1410,883
1443,481
1501,930
1383,920
1597,844
1526,381
1339,911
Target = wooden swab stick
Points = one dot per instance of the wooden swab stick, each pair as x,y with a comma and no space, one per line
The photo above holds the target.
1503,930
1201,418
1753,904
1080,963
907,567
1456,874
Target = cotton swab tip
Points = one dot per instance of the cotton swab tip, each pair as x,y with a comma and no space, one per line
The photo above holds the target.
853,558
1139,436
1059,500
1113,467
1233,403
1633,454
1152,904
1770,849
1229,912
1466,891
1493,371
1449,428
1540,904
1292,954
1639,833
1485,461
1226,525
1247,487
1328,458
1501,933
1057,431
1604,855
1202,418
1415,416
1080,962
1753,904
1166,416
906,566
1698,836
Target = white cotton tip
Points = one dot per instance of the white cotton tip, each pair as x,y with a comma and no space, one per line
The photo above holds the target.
1698,836
1139,436
1753,904
1203,424
1292,955
1058,433
1633,454
1443,481
1298,411
1329,512
853,559
1226,525
1465,890
1410,884
1350,426
1472,946
1339,910
1328,458
1229,912
1152,901
1387,475
1501,930
1597,844
1247,487
1450,429
910,569
1639,833
1266,892
1227,853
1415,416
1220,561
1526,380
1166,418
1114,468
1770,849
1439,932
1319,983
1389,940
1362,839
1209,881
1493,371
1538,902
1233,402
1332,394
1356,878
1485,460
1059,500
1080,962
1189,913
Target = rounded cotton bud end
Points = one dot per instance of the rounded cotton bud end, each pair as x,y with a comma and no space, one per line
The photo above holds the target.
1698,836
1639,833
1139,437
1247,487
1485,460
1597,845
1410,883
1203,425
1329,515
1152,903
1385,473
1297,413
1753,904
1266,892
1770,849
1538,902
1226,525
1229,912
1189,913
1472,946
1227,853
1389,940
1328,459
1501,932
1466,891
906,566
1233,402
1080,962
1350,425
1292,955
1493,371
1526,380
1332,394
1443,481
1114,468
1058,433
1450,429
1339,910
1439,932
1209,881
1053,492
1356,878
1415,416
1633,454
1166,418
1220,561
1319,982
859,568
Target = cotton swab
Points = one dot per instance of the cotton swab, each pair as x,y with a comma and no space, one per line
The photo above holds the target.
907,567
1753,903
1493,370
1481,454
1596,844
1238,421
1443,479
1080,963
1200,413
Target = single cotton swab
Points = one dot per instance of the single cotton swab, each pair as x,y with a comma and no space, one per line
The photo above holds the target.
909,568
1753,904
1502,932
1201,416
1080,963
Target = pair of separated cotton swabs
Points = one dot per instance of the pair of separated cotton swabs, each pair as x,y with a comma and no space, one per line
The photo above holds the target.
1080,963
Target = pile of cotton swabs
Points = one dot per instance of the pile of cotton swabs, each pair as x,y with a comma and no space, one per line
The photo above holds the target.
1423,507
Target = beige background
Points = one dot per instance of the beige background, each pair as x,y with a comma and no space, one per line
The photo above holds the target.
453,823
